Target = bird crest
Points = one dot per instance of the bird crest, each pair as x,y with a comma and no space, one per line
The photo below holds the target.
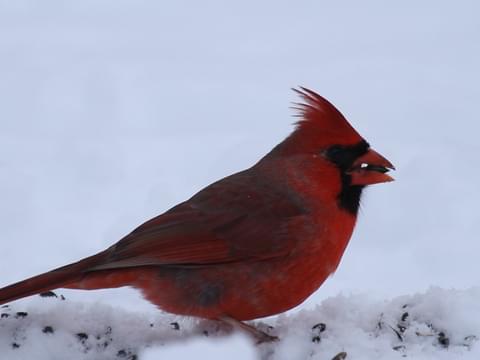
322,121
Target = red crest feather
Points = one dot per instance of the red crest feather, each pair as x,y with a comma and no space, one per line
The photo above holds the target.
321,121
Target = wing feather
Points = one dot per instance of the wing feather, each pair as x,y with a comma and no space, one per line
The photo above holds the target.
236,219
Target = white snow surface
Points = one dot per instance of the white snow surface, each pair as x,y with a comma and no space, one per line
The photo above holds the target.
437,324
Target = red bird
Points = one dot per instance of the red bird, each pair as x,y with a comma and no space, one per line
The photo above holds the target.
253,244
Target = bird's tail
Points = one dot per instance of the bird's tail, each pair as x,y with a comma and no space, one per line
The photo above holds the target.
60,277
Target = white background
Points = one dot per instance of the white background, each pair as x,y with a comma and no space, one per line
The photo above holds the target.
111,112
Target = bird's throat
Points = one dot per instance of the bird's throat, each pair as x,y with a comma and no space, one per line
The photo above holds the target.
349,196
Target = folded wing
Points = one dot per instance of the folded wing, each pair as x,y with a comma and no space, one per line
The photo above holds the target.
239,218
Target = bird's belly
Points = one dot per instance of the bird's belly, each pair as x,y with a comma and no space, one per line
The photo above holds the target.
243,291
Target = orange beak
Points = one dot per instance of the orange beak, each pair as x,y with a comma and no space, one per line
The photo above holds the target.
370,168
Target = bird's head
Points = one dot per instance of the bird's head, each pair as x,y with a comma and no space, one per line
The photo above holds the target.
326,141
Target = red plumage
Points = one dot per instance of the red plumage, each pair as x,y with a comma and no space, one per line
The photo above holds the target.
253,244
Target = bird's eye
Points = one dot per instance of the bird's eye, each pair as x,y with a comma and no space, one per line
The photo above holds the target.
339,155
335,153
344,155
334,150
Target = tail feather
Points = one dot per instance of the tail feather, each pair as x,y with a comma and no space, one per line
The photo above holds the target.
50,280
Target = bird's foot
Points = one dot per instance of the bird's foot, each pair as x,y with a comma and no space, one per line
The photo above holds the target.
260,336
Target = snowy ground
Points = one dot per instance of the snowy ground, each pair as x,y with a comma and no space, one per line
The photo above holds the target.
438,324
113,111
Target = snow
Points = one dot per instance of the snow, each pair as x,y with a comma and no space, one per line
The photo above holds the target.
112,111
437,324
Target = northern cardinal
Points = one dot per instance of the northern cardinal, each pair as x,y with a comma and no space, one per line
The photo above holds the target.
250,245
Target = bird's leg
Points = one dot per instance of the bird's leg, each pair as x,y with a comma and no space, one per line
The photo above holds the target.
259,335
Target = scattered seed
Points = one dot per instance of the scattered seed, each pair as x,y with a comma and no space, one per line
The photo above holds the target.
399,336
5,315
15,345
48,330
21,314
126,354
62,297
82,336
340,356
317,329
404,316
320,327
174,325
399,348
48,294
121,353
401,328
443,340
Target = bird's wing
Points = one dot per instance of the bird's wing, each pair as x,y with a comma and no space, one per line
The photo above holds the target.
239,218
